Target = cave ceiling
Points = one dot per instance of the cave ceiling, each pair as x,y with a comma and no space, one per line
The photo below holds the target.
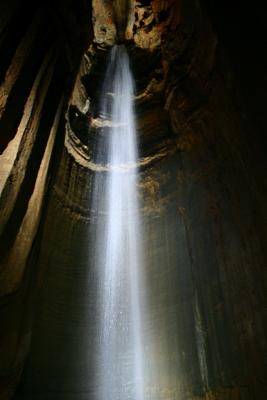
167,43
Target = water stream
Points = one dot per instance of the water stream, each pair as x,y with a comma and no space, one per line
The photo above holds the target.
119,242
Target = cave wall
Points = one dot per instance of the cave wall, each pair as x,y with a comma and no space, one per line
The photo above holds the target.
41,45
203,213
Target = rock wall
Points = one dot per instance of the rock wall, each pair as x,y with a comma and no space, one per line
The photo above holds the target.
202,210
41,45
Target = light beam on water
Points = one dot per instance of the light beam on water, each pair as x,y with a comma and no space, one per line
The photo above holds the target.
120,362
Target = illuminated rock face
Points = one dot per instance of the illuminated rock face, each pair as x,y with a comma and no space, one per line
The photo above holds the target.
203,203
39,62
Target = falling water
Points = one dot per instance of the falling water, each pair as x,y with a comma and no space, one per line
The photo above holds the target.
120,363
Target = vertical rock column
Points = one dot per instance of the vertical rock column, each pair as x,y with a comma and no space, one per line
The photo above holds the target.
40,46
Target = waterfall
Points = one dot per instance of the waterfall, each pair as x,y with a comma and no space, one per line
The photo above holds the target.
119,242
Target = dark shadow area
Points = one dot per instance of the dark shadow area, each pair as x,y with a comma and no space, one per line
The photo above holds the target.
242,30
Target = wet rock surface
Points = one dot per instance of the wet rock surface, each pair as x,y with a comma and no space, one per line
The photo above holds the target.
202,191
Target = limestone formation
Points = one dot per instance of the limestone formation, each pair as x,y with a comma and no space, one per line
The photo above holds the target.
202,188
